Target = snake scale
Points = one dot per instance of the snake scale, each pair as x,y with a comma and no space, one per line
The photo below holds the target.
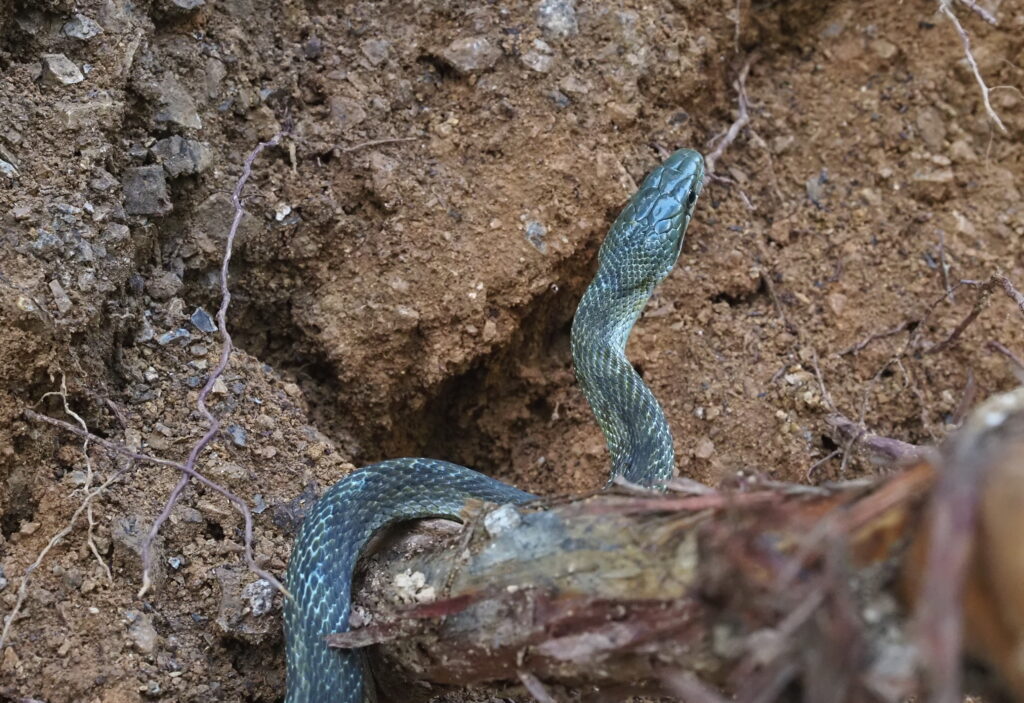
638,253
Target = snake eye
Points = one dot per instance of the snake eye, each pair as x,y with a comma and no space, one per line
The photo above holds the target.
691,198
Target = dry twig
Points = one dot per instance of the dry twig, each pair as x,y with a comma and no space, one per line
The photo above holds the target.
985,289
1018,363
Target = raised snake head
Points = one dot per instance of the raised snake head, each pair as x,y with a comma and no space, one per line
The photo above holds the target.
645,240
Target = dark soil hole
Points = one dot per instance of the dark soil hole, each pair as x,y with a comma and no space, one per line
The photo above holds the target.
214,530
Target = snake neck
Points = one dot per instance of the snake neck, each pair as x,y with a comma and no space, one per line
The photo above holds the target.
632,420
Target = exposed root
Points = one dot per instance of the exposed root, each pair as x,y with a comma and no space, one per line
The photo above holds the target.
862,344
188,467
85,506
63,395
375,142
945,7
742,118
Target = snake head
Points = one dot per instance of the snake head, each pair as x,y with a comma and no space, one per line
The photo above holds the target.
649,232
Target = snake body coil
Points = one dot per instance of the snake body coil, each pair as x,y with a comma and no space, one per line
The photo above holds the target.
640,250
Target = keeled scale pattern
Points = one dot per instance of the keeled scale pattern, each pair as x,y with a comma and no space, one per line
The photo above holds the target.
639,251
328,545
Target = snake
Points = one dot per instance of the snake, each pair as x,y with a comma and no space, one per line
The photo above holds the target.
639,251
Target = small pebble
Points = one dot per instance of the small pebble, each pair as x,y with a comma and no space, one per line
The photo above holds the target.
168,337
145,191
502,519
163,285
58,69
535,233
558,17
313,48
81,27
60,298
182,157
176,106
237,435
29,528
705,449
260,595
560,99
536,61
471,54
375,50
202,321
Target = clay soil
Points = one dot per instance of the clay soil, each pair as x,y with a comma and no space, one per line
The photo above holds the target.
414,296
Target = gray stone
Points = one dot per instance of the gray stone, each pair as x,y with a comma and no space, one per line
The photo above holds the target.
182,157
558,17
375,50
313,48
502,519
81,27
932,128
61,298
210,226
58,69
933,175
346,111
145,191
574,85
142,632
176,105
102,110
102,180
164,285
815,186
560,99
202,321
536,61
471,54
115,232
172,336
535,234
260,595
237,435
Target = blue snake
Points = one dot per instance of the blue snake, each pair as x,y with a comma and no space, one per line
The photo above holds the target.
639,252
